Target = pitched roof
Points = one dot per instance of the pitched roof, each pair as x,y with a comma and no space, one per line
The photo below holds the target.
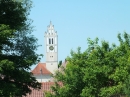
40,69
63,66
46,86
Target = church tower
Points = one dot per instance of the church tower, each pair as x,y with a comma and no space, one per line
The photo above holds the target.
51,48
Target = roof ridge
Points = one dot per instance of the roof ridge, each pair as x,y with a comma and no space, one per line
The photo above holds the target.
40,69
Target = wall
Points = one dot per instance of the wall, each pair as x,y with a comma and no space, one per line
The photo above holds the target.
43,78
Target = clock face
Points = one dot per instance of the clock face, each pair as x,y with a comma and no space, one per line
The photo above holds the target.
51,48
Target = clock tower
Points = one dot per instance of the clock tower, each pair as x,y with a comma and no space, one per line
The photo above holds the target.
51,48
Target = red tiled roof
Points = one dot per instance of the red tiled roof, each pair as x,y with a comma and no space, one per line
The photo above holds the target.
46,86
40,69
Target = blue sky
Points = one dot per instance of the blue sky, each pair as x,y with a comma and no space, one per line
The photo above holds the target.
76,20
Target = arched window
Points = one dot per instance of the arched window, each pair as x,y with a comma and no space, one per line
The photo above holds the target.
52,40
49,41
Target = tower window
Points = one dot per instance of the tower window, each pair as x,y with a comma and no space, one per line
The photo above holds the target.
52,40
49,41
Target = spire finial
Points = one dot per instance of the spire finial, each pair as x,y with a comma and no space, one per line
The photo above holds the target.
50,23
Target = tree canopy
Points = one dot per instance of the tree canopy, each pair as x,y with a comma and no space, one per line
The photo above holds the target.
17,49
100,71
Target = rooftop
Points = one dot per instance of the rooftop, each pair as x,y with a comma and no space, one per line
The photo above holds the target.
40,69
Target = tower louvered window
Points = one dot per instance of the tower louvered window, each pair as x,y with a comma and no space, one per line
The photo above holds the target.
52,40
49,41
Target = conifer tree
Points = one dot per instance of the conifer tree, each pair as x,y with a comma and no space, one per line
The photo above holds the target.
17,49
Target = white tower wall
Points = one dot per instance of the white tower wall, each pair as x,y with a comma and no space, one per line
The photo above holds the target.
51,45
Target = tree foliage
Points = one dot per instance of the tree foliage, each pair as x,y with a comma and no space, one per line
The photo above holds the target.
100,71
59,64
17,48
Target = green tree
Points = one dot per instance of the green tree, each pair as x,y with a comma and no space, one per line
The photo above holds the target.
100,71
17,49
59,64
